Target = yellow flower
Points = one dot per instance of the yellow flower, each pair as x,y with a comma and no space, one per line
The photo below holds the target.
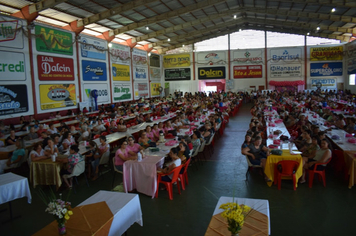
70,213
66,217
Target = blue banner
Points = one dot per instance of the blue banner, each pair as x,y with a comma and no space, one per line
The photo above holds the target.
326,69
94,71
91,48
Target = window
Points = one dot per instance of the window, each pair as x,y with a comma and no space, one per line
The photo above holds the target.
352,79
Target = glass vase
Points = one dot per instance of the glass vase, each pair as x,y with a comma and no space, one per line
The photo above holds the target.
62,228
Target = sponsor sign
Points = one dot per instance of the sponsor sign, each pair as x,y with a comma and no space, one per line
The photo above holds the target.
177,74
139,57
286,54
252,71
155,73
211,72
10,36
122,91
13,99
141,90
54,96
91,48
94,71
166,85
326,53
212,58
180,60
120,54
140,73
351,49
326,69
154,89
247,56
103,92
351,66
12,66
291,70
326,83
55,68
53,41
120,72
154,60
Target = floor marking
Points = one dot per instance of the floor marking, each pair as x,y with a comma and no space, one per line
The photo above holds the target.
211,193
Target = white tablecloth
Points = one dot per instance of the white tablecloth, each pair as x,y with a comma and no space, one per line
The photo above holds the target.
142,175
259,205
12,187
125,207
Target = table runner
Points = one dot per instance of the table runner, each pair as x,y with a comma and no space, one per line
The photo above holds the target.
45,172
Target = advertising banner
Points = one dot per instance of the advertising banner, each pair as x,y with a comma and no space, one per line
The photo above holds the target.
92,48
351,66
139,57
351,49
154,89
120,54
155,73
141,90
103,92
120,72
326,69
94,71
57,95
12,66
55,68
140,73
13,99
326,53
212,72
10,37
154,60
177,74
326,83
180,60
291,70
53,41
253,56
286,54
212,58
122,91
252,71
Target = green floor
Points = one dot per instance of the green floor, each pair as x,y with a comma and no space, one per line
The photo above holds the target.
316,211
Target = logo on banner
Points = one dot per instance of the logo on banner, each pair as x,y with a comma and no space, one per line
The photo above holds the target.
181,60
120,72
326,83
13,99
254,71
53,41
326,53
211,73
122,91
246,57
177,74
286,71
93,49
55,68
210,56
12,66
57,95
140,73
8,30
93,70
286,56
326,69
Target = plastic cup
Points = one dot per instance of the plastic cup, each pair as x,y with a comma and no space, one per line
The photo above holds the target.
53,158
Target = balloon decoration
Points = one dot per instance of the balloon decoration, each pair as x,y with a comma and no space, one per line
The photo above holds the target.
286,83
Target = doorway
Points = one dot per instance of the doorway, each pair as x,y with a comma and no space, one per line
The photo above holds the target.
212,85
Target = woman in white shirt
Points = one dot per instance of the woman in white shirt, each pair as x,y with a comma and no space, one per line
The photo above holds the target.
37,154
68,141
176,161
51,148
52,129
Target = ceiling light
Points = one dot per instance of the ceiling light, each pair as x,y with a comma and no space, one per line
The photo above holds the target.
235,16
240,30
147,28
183,45
149,54
168,40
333,10
318,28
110,45
308,33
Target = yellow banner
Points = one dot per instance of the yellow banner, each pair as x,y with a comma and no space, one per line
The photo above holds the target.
120,72
57,95
326,53
154,89
180,60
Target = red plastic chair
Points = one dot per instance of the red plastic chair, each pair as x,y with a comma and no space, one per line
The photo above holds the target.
128,126
96,136
286,168
169,185
184,176
104,133
321,173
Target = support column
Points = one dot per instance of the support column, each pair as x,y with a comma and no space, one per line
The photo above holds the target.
228,59
305,62
266,63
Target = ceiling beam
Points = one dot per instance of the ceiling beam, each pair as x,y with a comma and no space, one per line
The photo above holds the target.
43,5
165,16
331,3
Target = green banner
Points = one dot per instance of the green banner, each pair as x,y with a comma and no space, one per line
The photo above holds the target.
53,41
166,85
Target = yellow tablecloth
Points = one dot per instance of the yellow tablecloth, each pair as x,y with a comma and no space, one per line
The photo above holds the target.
94,219
274,159
255,224
45,172
350,161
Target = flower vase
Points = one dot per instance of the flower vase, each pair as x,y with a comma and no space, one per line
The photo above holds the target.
62,229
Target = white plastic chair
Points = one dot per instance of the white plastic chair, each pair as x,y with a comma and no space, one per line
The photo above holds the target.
209,143
78,169
115,170
201,148
104,160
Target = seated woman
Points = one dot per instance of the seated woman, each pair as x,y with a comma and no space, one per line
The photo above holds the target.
103,147
247,142
113,127
73,159
196,140
37,154
168,126
257,152
16,157
310,151
174,162
144,141
32,135
52,129
51,148
122,154
93,158
12,138
160,127
149,133
68,141
207,132
121,126
140,119
134,148
155,131
322,156
183,151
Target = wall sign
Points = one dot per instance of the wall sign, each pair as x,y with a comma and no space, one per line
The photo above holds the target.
53,41
326,69
141,90
94,71
140,73
9,34
155,73
177,74
57,95
286,54
252,71
154,89
291,70
103,92
120,72
253,56
326,53
139,57
91,48
351,66
12,66
326,83
55,68
155,60
211,72
180,60
212,58
13,99
122,91
120,54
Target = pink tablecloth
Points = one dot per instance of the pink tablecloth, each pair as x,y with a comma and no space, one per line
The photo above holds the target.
142,175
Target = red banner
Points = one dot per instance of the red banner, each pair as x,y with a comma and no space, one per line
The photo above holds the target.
55,68
252,71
